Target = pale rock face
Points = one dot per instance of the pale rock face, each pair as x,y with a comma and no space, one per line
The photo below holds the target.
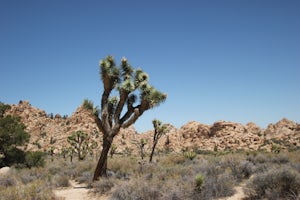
193,135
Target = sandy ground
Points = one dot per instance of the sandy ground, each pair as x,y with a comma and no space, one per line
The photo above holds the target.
77,192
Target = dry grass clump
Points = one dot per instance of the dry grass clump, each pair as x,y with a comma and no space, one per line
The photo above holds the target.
137,189
7,180
123,164
103,186
33,174
282,183
218,181
60,181
34,190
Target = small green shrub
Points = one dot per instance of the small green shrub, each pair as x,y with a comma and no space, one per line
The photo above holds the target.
34,159
190,155
199,181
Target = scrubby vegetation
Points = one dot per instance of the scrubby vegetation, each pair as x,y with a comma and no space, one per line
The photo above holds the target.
171,176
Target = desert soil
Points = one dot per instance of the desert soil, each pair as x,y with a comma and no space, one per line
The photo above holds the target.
77,192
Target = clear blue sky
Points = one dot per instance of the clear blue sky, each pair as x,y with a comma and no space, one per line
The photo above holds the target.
216,60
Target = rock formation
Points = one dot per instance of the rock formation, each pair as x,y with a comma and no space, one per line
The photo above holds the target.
48,130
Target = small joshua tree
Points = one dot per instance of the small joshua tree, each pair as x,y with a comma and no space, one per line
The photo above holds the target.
135,96
51,152
141,145
81,143
64,152
113,150
159,130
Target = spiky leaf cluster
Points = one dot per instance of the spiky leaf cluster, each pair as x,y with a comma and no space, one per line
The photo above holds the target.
134,93
159,129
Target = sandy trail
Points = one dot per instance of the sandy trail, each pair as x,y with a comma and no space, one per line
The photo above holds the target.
77,192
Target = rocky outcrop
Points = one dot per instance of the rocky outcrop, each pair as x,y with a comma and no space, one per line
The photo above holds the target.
284,134
48,130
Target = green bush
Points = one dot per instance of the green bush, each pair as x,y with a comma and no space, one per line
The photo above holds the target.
34,159
199,181
12,131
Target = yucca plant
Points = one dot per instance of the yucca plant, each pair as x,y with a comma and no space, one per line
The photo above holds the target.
190,155
199,182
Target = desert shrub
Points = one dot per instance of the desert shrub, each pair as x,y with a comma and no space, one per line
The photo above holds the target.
34,190
282,183
121,164
135,190
246,169
280,159
31,175
72,170
221,185
60,181
34,159
218,182
239,168
85,177
296,166
172,159
261,158
103,186
258,159
7,180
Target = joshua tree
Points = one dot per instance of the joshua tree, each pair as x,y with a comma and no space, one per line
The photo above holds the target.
159,130
141,145
81,143
134,94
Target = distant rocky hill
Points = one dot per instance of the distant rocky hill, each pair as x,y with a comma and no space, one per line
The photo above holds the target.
52,130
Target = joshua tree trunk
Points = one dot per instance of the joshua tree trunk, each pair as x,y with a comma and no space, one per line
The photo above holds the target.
101,168
152,152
